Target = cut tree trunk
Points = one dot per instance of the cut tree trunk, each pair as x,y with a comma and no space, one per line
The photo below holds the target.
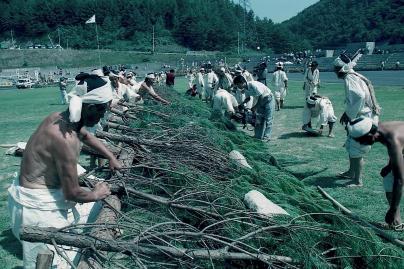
45,235
108,214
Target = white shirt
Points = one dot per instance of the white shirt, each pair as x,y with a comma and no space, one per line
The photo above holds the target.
199,79
313,77
278,79
248,76
224,100
256,89
210,79
357,97
225,82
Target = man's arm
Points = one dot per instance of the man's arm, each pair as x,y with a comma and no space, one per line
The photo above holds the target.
397,163
154,95
66,164
93,142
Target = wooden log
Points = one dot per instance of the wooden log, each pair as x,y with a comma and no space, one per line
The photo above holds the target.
44,259
349,213
45,235
108,214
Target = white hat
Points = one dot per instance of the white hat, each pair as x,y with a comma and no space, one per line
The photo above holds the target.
151,76
222,69
279,64
202,69
311,100
360,127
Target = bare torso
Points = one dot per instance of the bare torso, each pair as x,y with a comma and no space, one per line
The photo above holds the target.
38,168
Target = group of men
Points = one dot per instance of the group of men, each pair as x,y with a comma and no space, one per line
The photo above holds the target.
46,190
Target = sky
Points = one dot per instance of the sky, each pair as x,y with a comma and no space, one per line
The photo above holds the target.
279,10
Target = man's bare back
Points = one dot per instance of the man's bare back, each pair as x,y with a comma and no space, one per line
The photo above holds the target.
53,137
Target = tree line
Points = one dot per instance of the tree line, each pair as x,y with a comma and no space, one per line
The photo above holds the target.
195,24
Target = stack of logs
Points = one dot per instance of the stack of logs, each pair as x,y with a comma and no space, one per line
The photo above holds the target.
197,221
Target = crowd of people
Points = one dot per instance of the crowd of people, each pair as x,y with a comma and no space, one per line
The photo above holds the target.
47,188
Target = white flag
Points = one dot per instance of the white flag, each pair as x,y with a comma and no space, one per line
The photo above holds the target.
91,20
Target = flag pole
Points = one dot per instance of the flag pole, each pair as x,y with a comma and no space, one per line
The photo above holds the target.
98,44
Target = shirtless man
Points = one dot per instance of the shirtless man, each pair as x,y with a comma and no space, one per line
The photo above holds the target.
146,89
47,189
391,135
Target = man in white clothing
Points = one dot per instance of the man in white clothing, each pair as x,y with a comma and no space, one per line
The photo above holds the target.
360,100
209,82
240,96
319,107
264,108
47,190
224,104
225,80
311,80
200,83
280,82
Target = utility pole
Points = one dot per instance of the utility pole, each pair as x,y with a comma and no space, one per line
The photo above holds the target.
59,36
153,39
12,39
238,43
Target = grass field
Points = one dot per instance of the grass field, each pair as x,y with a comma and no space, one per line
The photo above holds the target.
315,160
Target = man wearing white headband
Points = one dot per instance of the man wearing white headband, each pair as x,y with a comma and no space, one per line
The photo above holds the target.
47,189
280,82
319,107
146,89
391,135
360,100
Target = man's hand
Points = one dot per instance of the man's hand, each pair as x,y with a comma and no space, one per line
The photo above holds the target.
101,190
114,164
344,119
385,170
391,217
241,106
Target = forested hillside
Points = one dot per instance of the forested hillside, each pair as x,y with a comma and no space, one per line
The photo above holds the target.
127,24
333,22
197,24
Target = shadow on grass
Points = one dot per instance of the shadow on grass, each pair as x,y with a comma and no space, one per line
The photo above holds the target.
306,174
328,182
56,105
292,107
9,243
296,135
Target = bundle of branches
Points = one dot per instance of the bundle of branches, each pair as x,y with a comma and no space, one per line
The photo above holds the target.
182,202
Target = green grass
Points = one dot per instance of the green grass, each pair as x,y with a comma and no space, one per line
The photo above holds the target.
315,160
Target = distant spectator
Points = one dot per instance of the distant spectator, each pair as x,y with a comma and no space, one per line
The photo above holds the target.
63,93
170,78
398,64
382,65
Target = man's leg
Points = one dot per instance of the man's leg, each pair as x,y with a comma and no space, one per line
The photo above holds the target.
268,118
355,171
330,129
397,215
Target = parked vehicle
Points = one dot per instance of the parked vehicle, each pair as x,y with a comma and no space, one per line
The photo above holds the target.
23,83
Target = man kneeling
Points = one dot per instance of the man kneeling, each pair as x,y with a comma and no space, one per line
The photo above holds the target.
47,190
319,107
391,135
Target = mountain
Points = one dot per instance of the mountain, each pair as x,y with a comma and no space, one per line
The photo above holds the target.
329,23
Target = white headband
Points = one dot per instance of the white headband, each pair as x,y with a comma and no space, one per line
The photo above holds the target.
345,67
79,95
